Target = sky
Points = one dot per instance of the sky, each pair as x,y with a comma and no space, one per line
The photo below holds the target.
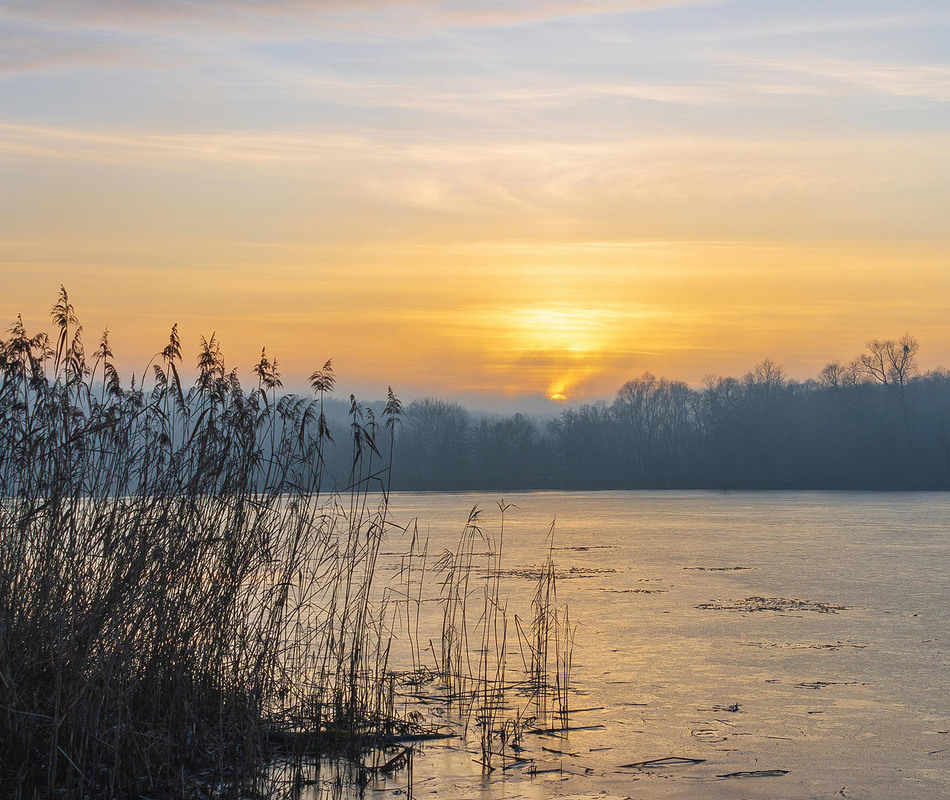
487,201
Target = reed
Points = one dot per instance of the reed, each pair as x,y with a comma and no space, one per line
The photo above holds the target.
178,600
480,682
185,613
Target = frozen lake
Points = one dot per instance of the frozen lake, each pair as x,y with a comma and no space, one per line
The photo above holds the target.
798,643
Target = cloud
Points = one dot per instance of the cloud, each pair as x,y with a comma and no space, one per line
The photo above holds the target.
901,80
850,23
30,50
42,35
526,173
234,14
136,147
507,13
520,93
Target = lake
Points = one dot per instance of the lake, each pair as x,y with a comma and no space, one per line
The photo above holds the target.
795,644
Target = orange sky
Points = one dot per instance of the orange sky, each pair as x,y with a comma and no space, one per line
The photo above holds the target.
501,205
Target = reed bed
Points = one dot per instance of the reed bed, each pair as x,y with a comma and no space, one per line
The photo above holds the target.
185,613
503,701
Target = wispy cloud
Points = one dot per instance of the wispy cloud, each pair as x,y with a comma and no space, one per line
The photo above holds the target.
520,93
33,50
136,14
836,23
439,173
136,147
45,35
902,80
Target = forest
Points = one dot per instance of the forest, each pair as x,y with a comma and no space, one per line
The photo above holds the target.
875,422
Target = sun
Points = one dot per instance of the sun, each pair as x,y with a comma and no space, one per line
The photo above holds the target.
558,397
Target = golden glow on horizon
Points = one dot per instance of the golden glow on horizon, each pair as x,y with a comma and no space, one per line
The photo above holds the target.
677,309
575,330
553,337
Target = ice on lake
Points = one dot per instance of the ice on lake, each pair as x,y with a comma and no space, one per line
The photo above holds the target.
733,645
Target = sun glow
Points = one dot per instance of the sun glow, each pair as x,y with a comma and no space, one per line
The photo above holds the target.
569,329
561,343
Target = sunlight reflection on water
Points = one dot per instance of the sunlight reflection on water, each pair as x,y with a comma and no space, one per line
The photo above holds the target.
796,642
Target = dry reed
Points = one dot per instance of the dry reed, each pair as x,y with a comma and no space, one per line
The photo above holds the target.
183,613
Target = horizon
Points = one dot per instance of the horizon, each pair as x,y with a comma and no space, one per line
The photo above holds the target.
486,404
492,204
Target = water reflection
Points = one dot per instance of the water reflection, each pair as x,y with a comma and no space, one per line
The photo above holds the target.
778,644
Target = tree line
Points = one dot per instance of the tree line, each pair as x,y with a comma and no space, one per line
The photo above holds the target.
875,422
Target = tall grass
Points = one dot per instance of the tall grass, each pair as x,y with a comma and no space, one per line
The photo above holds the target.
176,597
184,613
475,646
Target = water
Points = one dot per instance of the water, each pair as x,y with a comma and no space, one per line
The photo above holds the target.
815,703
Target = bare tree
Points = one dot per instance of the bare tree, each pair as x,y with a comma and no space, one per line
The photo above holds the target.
890,362
832,375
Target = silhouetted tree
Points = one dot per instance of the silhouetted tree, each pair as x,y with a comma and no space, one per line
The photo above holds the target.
870,422
437,444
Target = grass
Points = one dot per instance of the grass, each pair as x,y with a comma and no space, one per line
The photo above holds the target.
184,613
479,680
